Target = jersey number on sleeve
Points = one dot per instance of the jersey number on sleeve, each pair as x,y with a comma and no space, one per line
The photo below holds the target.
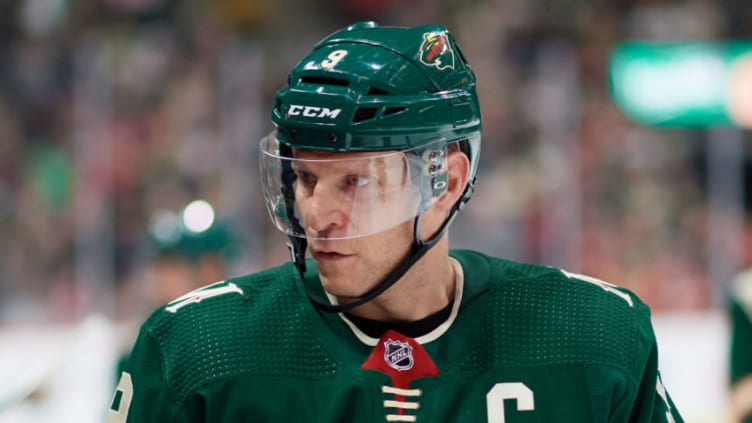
121,401
200,294
504,391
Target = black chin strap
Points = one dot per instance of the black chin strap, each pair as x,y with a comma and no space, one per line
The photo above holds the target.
298,245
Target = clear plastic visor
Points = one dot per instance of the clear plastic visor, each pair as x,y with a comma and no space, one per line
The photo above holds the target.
330,195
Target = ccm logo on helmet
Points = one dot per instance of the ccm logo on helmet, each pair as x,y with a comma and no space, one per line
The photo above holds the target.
313,111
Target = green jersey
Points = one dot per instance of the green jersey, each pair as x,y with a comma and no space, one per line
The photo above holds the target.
523,343
740,356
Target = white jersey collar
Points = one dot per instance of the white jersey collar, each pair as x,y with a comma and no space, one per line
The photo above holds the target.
430,336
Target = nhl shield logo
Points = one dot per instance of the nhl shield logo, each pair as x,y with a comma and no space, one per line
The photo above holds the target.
436,50
398,355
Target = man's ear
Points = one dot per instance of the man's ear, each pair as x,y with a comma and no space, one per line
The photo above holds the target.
458,169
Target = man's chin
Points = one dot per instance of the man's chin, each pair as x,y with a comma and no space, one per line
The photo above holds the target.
339,287
342,286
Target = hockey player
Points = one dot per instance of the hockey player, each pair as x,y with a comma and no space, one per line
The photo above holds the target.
375,149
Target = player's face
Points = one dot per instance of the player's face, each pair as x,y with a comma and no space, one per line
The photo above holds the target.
340,198
354,194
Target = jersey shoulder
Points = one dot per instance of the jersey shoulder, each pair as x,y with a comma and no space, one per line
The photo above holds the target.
251,324
502,274
540,315
581,291
214,301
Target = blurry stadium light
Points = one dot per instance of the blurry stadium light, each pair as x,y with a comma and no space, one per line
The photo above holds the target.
689,84
198,216
164,226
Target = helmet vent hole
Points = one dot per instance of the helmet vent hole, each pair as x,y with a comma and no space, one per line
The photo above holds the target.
324,80
377,91
365,113
393,110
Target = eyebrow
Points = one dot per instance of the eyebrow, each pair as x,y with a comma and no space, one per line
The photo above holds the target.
377,163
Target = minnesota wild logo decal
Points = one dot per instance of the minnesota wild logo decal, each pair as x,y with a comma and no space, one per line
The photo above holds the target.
436,50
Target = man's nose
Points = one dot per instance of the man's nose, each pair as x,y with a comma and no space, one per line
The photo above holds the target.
327,213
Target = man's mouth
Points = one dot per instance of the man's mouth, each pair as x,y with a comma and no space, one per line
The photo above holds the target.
329,255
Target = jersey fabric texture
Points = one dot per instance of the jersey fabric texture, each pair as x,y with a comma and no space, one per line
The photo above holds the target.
526,343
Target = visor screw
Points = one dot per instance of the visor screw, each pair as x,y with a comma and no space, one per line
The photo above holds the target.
332,137
292,134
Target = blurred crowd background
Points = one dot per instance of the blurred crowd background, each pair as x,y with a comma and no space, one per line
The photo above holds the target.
114,110
116,114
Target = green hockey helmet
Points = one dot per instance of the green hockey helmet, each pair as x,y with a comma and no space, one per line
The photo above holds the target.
397,97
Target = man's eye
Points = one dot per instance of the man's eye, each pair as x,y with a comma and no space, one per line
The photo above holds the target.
307,179
357,181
